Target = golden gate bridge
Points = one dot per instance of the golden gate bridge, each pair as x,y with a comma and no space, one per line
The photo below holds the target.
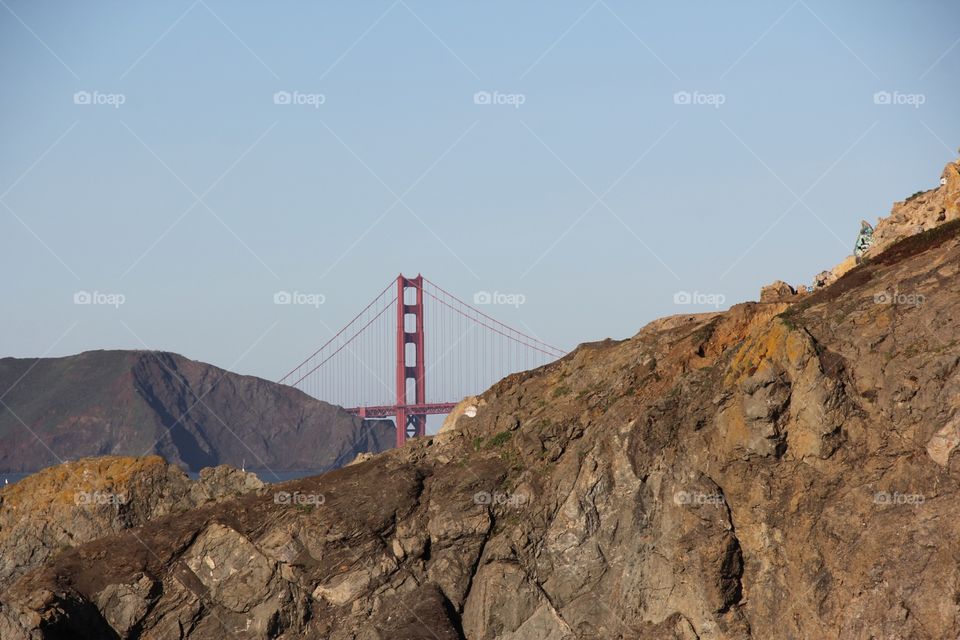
414,351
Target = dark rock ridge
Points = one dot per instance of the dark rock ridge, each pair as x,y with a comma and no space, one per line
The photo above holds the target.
193,414
783,469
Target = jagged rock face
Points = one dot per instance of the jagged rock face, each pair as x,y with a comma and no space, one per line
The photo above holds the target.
191,413
77,502
779,470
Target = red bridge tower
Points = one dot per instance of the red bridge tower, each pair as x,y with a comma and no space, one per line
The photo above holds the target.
471,351
410,360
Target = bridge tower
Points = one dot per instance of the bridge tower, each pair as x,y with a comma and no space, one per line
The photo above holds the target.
386,340
410,360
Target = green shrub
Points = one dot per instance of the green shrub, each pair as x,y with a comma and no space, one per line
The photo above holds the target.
499,439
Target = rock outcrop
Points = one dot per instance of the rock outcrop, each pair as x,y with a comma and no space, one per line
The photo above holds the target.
920,212
785,469
923,211
778,291
134,403
76,502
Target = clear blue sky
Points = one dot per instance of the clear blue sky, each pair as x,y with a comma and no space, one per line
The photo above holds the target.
497,197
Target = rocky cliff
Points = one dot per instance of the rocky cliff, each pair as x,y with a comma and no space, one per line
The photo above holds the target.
75,502
134,403
784,469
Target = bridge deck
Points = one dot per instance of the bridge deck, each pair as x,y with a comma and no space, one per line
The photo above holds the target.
432,409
